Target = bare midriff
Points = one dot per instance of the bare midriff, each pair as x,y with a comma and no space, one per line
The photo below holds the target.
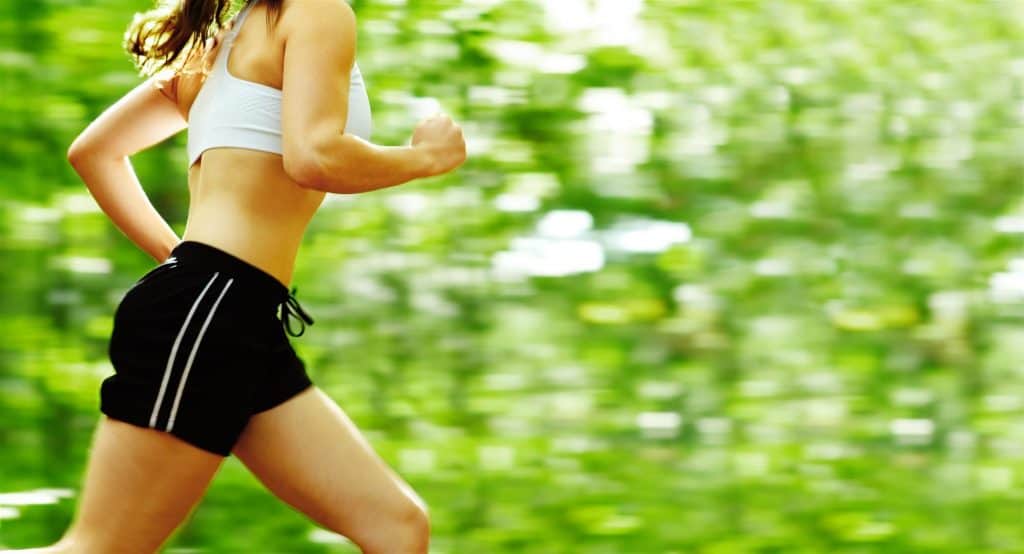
243,202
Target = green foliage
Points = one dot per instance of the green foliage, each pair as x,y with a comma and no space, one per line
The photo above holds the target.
718,277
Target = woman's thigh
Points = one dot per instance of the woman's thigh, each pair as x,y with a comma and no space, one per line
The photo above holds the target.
140,484
310,454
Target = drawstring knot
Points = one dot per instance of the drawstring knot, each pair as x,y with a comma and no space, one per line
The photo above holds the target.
291,307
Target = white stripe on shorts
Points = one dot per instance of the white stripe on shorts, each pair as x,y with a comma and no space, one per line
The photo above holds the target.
174,350
192,355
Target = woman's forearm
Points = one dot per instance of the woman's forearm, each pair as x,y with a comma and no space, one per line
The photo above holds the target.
116,188
347,164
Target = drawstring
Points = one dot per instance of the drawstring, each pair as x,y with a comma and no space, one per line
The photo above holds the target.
291,307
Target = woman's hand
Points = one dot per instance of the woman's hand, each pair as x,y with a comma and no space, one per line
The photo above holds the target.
441,139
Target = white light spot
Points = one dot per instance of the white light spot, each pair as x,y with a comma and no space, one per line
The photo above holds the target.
496,457
420,108
659,424
34,497
565,223
912,431
1007,287
1010,224
510,202
549,257
646,236
408,204
83,264
417,460
773,267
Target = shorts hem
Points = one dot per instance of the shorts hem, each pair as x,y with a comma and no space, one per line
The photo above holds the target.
130,419
306,384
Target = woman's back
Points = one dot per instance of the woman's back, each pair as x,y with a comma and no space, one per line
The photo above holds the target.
241,198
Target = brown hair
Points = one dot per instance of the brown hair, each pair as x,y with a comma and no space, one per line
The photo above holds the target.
157,38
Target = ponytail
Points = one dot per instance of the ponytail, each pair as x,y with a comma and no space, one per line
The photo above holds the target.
159,37
173,33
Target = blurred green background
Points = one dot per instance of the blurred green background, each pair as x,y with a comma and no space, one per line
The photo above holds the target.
718,277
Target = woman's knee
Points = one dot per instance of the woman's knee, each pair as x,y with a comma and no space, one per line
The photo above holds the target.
405,531
417,527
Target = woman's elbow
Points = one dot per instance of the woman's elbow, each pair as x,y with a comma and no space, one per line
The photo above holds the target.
310,168
77,152
83,153
305,170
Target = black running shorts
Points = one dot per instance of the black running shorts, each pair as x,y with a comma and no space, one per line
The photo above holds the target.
199,345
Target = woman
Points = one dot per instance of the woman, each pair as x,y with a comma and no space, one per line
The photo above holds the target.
277,117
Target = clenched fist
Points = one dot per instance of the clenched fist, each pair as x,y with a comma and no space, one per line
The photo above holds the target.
441,139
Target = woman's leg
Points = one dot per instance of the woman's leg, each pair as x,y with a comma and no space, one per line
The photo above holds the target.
139,485
311,455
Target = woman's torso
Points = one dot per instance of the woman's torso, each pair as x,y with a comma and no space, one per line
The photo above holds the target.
241,200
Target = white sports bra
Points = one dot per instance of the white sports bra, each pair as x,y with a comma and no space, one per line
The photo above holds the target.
233,112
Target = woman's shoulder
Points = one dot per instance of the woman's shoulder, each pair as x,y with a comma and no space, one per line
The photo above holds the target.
300,15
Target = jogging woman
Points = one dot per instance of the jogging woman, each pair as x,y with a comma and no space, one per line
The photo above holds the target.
277,117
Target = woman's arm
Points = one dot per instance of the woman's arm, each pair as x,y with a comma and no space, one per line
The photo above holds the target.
346,164
114,185
144,116
320,47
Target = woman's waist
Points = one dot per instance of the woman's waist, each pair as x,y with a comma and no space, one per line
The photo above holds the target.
270,250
